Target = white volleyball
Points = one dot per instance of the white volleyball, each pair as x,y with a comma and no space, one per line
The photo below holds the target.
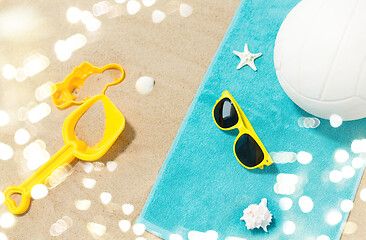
320,57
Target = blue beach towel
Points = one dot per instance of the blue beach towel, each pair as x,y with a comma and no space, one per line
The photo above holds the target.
202,187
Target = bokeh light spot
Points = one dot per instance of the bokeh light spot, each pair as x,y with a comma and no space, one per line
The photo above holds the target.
288,227
306,204
356,146
7,220
36,155
323,237
98,166
39,112
3,236
333,217
44,91
138,229
285,203
348,172
86,16
127,208
350,228
124,225
35,64
283,157
158,16
82,205
112,166
341,156
6,152
87,166
21,75
185,10
105,197
62,50
4,118
101,8
335,176
304,157
358,163
96,229
39,191
22,114
93,24
346,205
89,183
21,136
148,3
363,194
335,120
73,14
9,71
175,237
133,7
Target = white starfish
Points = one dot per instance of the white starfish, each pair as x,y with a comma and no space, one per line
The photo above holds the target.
247,58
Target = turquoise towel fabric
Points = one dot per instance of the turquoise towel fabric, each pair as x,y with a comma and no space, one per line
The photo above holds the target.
202,187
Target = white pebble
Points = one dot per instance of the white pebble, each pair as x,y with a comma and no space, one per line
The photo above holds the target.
145,85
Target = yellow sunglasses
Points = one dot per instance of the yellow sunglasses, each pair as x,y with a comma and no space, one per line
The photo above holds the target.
248,148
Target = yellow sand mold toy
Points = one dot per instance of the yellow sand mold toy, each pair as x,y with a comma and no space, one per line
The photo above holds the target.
73,148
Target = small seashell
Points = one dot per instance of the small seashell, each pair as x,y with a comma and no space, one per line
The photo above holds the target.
256,216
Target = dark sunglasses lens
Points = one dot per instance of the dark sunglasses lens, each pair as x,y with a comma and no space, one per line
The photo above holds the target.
248,151
225,113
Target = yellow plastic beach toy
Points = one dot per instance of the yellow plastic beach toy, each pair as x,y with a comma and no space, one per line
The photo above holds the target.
63,96
73,148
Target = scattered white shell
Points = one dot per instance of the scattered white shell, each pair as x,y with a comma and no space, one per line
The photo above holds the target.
145,85
256,216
